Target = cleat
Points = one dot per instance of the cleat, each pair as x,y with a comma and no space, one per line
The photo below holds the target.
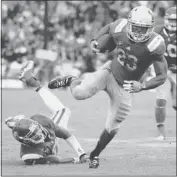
61,82
27,77
26,71
94,162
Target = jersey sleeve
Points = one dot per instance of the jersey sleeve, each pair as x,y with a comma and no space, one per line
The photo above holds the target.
117,26
157,47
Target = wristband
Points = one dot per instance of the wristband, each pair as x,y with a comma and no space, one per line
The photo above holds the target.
82,155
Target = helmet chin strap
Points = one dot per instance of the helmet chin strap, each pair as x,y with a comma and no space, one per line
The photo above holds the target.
135,39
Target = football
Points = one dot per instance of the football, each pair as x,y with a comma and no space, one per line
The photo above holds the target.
106,43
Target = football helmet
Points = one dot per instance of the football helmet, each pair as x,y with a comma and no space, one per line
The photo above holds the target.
140,24
26,131
170,19
11,121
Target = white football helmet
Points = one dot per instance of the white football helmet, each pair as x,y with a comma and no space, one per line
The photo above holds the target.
140,24
170,19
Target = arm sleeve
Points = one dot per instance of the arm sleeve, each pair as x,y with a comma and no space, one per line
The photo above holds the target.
157,48
159,60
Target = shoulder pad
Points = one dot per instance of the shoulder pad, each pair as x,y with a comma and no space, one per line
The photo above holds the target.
120,25
155,43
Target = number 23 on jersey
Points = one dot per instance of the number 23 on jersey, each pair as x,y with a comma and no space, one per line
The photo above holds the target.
127,60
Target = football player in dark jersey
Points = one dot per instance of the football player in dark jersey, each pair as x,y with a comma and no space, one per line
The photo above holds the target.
38,134
137,48
168,32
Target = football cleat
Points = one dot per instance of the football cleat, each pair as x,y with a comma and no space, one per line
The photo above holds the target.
61,82
26,71
27,77
94,162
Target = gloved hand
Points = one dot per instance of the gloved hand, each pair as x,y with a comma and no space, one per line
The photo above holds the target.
82,159
132,86
93,46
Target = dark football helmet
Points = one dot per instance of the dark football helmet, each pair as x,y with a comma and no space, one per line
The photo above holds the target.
26,131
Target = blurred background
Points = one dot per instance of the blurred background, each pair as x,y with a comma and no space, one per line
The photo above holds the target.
57,34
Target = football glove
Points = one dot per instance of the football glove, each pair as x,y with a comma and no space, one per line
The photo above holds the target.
93,45
133,86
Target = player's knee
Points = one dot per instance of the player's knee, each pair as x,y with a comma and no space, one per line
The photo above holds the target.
160,111
80,94
113,126
161,102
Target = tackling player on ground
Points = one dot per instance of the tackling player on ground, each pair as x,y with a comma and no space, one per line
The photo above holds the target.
38,134
168,32
137,48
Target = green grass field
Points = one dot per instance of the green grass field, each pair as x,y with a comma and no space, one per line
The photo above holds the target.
132,152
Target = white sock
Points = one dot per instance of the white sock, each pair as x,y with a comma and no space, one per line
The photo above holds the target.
51,101
61,117
61,113
64,121
72,141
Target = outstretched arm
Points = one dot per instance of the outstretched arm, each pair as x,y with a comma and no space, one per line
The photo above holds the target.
160,67
61,132
59,160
